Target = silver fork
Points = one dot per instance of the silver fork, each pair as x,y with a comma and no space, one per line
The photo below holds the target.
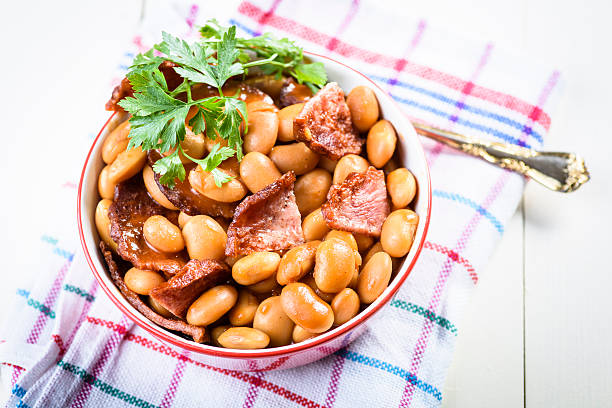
563,172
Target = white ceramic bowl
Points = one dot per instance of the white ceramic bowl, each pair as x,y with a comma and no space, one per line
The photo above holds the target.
412,156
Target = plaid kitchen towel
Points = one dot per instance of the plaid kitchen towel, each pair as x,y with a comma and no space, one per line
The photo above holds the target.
67,345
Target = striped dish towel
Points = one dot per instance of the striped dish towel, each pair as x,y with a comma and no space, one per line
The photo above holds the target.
67,345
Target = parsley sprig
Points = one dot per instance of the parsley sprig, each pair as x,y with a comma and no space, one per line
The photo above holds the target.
158,114
277,56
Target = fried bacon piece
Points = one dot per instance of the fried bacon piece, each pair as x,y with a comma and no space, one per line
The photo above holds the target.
359,204
124,89
291,93
198,333
269,220
187,199
180,291
325,124
131,207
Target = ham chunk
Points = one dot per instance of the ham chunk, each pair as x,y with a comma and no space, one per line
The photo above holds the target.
198,333
180,291
131,207
269,220
325,124
359,204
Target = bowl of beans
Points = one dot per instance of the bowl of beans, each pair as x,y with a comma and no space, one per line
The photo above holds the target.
319,225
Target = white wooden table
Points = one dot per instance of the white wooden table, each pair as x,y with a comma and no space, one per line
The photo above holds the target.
537,332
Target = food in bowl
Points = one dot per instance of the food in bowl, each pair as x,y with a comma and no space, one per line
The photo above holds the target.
246,202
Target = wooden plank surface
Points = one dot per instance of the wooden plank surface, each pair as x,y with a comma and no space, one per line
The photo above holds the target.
568,322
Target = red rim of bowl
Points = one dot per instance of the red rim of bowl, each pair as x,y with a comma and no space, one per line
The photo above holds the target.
160,332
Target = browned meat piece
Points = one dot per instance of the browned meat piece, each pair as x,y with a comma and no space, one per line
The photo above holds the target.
359,204
128,212
292,93
180,291
198,333
121,91
172,78
201,91
325,125
269,220
124,89
187,199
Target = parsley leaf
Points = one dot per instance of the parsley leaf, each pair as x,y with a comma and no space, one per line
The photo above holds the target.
145,62
226,55
313,73
170,168
150,97
195,61
163,130
155,114
206,115
214,158
229,123
220,177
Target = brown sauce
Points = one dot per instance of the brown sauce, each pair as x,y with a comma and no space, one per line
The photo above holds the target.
130,209
187,199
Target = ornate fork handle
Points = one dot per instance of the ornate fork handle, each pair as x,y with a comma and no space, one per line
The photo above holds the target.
563,172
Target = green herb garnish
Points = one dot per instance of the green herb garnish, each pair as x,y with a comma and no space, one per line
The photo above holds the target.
282,54
158,114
